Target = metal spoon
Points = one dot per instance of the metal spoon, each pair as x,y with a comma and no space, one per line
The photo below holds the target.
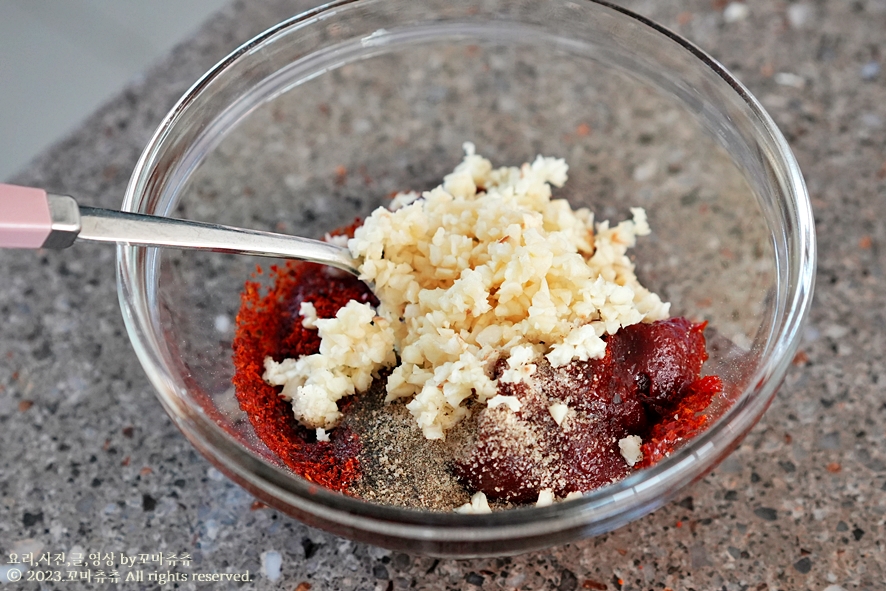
31,218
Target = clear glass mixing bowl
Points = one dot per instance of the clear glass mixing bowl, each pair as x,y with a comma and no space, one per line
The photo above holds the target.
318,120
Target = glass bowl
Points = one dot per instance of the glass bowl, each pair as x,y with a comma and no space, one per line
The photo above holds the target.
316,121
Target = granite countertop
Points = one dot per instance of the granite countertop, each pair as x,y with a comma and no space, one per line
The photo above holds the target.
89,461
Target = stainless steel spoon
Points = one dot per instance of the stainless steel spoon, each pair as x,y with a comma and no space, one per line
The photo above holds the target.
31,218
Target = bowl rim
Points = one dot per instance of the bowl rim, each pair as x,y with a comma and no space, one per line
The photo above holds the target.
601,504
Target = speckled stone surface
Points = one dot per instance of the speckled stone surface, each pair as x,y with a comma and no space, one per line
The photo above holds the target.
90,462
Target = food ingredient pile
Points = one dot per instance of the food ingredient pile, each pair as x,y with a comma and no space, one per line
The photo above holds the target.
512,355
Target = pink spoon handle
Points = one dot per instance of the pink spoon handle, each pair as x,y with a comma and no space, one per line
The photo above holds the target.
25,221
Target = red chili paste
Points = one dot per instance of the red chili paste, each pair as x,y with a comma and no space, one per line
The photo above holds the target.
647,373
647,384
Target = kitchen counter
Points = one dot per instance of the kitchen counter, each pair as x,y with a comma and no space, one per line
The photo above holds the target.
90,463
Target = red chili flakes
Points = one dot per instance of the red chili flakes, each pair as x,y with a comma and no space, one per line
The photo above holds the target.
269,324
865,242
801,358
303,586
589,584
727,254
583,130
682,423
834,467
24,405
341,175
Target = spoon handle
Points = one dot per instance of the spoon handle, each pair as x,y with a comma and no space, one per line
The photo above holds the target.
30,218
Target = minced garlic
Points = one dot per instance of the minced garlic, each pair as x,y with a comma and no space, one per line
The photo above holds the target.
631,449
478,505
545,498
352,346
558,412
486,266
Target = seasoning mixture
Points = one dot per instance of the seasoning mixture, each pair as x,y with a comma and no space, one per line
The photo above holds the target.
514,355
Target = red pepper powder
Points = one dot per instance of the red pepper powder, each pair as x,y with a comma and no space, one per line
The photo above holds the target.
684,422
269,324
